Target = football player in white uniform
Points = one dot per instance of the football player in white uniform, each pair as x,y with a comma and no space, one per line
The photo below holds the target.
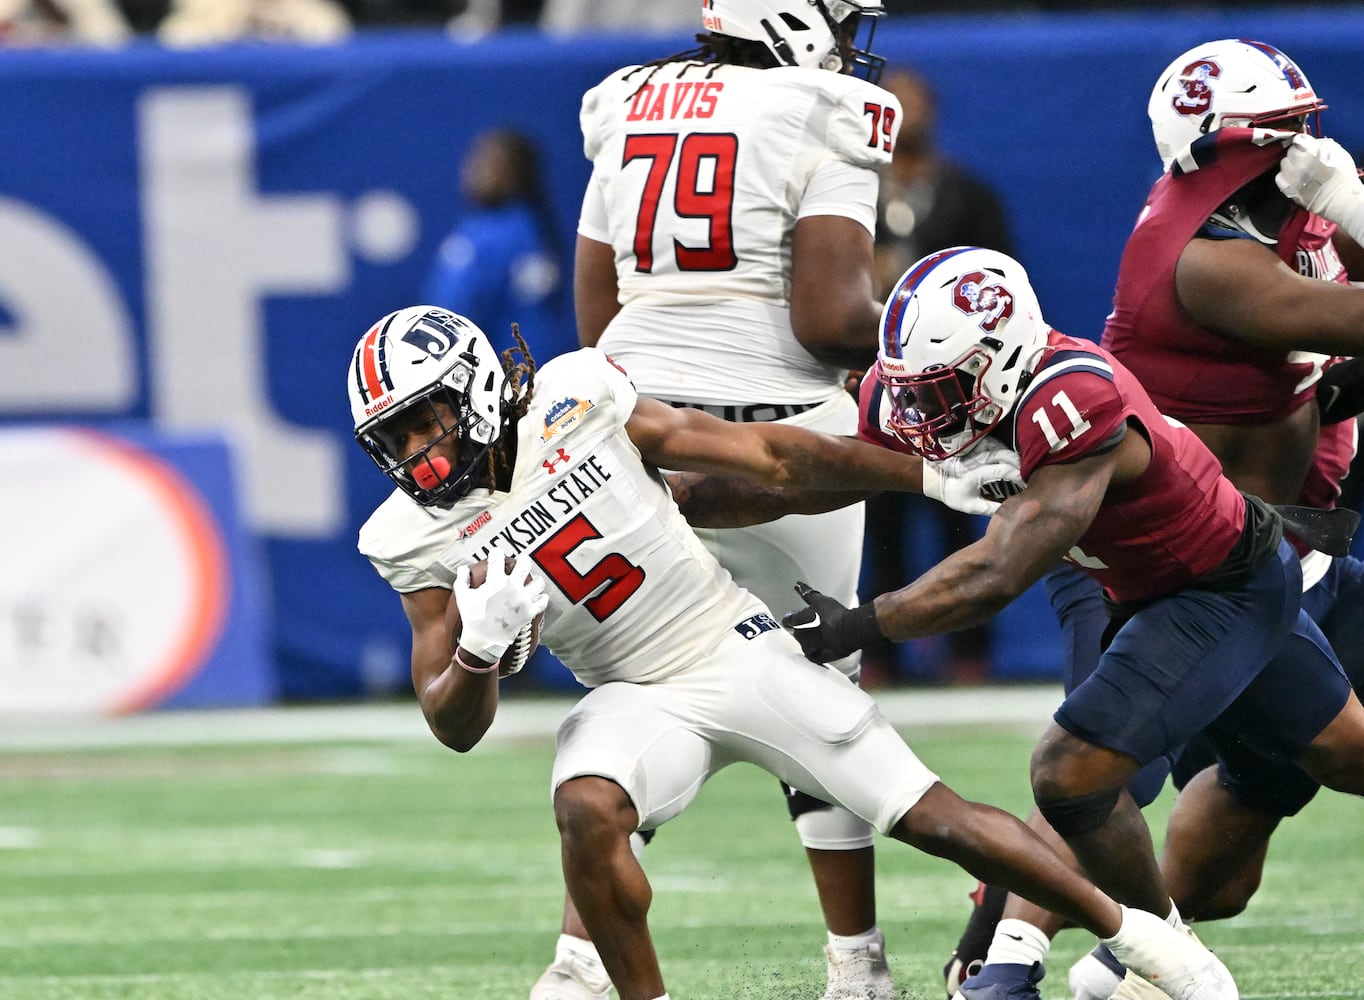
689,672
724,257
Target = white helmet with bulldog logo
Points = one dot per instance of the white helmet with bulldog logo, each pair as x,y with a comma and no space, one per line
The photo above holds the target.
1230,82
427,366
960,335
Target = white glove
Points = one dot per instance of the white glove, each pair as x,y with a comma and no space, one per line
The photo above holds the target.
494,613
1321,176
977,482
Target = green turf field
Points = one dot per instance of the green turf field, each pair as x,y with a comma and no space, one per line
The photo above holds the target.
395,869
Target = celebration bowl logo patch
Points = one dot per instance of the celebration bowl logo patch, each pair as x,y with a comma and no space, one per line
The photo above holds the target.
562,415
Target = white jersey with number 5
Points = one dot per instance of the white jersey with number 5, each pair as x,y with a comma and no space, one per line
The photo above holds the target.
633,595
699,173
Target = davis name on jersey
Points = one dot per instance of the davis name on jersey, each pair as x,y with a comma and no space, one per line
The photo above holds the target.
697,188
699,174
633,594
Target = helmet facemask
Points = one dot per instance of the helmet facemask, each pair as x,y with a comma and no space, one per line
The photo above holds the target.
854,27
425,474
430,432
960,334
941,412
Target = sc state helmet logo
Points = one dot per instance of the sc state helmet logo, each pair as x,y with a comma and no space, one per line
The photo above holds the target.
972,295
1195,92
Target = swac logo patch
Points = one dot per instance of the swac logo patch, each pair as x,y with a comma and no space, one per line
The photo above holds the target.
994,303
475,524
1195,92
563,415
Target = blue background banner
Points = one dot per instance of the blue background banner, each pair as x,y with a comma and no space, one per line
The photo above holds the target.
196,239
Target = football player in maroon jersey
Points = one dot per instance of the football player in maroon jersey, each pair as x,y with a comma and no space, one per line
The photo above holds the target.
1206,634
1232,299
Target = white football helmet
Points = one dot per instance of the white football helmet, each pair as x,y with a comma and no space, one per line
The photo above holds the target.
960,334
408,363
816,34
1227,82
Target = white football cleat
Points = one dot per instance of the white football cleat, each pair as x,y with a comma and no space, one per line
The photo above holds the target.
573,975
1174,961
859,973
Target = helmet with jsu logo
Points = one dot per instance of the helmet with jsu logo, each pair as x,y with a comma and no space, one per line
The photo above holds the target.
427,365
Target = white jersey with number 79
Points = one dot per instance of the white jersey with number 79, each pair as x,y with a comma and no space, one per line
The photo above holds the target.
699,174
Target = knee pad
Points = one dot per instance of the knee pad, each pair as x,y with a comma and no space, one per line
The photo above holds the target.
638,841
833,828
1079,814
798,803
825,827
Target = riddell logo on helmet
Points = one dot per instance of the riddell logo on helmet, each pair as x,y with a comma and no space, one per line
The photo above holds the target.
1195,93
383,404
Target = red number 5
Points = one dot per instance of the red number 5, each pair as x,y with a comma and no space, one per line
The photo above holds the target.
620,576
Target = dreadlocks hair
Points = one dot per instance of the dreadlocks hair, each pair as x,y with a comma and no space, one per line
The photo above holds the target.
712,50
521,374
519,371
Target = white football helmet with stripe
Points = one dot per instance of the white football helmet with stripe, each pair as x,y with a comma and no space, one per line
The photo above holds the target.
1233,81
410,361
960,335
818,34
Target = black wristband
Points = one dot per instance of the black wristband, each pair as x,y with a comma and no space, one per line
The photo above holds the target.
858,629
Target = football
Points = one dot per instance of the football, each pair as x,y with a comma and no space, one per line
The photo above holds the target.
526,641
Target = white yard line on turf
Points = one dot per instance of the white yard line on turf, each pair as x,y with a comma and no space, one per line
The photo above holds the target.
516,719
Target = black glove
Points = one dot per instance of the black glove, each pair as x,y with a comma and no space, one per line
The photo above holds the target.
1340,391
825,629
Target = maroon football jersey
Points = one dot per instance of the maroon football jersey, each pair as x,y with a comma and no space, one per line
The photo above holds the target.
1192,373
1179,522
1152,537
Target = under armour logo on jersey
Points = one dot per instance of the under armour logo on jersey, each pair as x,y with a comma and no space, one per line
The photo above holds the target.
551,464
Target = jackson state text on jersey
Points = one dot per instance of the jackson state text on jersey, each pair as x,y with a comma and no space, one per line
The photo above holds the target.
1177,523
633,595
